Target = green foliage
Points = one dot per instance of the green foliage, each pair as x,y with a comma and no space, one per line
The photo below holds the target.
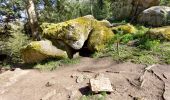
12,44
145,51
64,10
91,96
149,44
165,2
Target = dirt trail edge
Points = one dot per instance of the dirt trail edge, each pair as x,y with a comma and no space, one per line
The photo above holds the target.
129,81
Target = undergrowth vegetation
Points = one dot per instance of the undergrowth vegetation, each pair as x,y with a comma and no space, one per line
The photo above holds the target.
91,96
11,44
137,48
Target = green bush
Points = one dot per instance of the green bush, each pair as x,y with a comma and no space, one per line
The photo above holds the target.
126,38
11,45
149,44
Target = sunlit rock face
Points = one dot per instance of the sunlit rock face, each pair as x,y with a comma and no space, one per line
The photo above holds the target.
73,32
123,9
37,51
155,16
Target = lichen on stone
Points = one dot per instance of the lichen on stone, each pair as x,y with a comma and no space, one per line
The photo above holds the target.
99,37
40,50
162,33
127,28
73,32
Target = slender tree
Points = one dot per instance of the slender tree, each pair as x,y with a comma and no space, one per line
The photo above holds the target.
32,18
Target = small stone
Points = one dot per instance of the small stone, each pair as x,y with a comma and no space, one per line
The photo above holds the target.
50,83
100,84
87,76
80,79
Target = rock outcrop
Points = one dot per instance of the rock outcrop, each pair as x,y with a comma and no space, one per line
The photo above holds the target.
40,50
123,9
74,33
67,38
155,16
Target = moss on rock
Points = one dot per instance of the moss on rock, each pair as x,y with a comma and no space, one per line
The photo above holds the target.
127,28
162,33
73,32
99,37
37,51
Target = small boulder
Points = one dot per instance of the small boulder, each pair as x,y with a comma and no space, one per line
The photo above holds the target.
155,16
162,33
101,84
37,51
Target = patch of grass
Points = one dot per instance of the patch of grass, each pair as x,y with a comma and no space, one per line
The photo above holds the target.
133,54
146,51
52,64
101,96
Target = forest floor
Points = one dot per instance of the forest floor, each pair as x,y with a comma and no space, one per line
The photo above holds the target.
69,82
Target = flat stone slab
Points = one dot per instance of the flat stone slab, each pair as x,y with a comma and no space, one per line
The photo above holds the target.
101,84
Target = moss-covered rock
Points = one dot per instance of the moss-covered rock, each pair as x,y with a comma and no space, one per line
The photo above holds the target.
127,28
73,32
37,51
99,37
162,33
106,23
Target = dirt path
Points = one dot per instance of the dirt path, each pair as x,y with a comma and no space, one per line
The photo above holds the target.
129,81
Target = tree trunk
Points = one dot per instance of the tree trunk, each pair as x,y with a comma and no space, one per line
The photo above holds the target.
91,7
32,19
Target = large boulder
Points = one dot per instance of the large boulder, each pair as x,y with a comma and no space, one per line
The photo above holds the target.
162,33
73,32
37,51
123,9
155,16
99,37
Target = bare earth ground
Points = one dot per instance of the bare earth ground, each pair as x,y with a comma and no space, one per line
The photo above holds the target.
129,81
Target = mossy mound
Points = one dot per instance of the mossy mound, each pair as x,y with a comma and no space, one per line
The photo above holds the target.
73,32
99,37
37,51
162,33
127,28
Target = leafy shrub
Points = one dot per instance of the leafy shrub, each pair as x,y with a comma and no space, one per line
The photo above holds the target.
126,38
12,44
149,44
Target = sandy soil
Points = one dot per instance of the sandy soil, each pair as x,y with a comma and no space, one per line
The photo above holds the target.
129,81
